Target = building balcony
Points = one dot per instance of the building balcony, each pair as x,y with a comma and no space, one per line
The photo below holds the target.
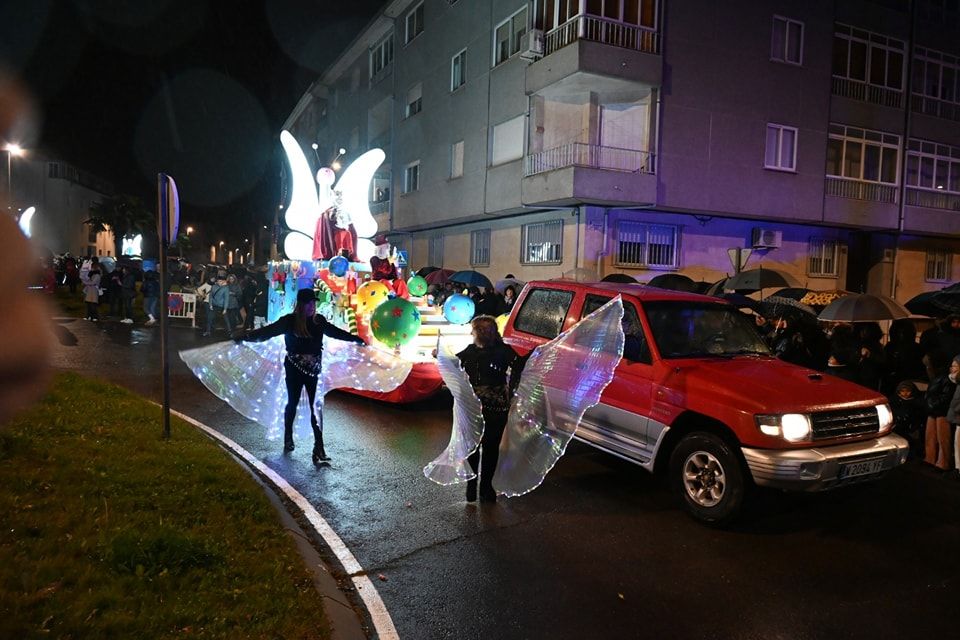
933,107
596,54
379,208
869,93
932,199
578,172
860,190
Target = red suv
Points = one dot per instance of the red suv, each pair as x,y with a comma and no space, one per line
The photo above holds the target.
699,395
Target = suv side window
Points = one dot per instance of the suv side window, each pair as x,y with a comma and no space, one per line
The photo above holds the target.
543,312
635,347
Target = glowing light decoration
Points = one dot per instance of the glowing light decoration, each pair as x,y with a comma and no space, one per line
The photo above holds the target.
132,246
349,196
26,218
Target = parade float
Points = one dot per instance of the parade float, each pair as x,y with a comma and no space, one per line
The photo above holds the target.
333,247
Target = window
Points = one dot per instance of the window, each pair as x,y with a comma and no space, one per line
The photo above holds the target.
414,24
436,251
458,70
508,36
414,101
787,44
936,75
411,177
862,154
781,150
456,159
647,245
636,12
824,261
933,166
639,351
543,312
542,243
507,141
381,56
868,57
939,265
480,248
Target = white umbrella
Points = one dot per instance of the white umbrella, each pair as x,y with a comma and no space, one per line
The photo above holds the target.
501,285
863,307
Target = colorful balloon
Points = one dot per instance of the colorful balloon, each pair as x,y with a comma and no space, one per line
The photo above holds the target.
370,294
502,322
339,266
417,286
395,322
458,309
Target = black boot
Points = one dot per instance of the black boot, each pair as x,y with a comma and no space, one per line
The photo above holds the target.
487,494
472,490
319,454
288,439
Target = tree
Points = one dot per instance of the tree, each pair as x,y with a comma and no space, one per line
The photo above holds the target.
123,215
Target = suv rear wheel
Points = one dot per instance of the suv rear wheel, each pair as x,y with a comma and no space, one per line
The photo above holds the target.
707,475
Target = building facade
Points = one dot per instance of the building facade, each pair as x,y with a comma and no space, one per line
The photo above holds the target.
644,136
62,196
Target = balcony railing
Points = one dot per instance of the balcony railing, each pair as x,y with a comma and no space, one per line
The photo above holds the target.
579,154
604,31
856,90
861,190
933,107
933,199
378,208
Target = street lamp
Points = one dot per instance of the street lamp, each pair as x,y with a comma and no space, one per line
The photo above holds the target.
189,230
335,165
12,149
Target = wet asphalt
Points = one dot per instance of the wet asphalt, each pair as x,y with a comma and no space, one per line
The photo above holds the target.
599,550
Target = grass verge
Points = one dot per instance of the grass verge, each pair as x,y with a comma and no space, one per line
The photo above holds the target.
108,531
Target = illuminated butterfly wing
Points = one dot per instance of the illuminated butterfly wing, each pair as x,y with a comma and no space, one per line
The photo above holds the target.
450,467
250,377
354,190
304,209
561,380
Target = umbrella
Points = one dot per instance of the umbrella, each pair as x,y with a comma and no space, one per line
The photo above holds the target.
863,307
716,288
740,301
581,275
779,307
756,279
501,285
674,282
948,300
923,305
423,271
701,287
621,278
439,276
794,293
823,298
472,279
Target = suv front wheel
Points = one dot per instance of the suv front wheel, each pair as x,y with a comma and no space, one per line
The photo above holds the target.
707,475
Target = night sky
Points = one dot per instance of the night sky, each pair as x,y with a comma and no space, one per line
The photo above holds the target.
196,88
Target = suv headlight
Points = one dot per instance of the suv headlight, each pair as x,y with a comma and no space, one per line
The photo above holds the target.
792,427
885,415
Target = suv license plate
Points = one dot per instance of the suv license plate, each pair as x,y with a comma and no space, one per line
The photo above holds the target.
864,468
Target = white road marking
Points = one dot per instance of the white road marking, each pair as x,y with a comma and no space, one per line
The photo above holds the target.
382,622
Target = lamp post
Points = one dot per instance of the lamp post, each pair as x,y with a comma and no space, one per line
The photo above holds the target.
12,150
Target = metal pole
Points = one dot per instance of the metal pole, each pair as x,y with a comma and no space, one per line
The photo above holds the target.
164,244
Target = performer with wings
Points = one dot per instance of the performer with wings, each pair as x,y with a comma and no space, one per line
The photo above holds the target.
561,380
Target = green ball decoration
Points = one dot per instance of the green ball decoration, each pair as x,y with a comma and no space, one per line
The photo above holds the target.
417,286
395,322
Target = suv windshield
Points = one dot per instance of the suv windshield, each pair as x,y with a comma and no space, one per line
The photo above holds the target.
692,329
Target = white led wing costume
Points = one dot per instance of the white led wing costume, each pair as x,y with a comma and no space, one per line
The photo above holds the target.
250,377
350,196
450,467
561,380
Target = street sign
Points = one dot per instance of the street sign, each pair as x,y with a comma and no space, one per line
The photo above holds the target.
401,258
738,258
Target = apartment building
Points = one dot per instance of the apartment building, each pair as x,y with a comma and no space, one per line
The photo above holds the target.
644,136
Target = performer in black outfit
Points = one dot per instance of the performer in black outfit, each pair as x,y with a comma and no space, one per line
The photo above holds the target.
303,333
486,362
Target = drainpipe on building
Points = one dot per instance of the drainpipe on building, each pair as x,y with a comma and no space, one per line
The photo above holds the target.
904,141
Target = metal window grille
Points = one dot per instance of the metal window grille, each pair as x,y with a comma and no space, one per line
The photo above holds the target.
543,243
436,251
647,245
823,257
480,248
939,265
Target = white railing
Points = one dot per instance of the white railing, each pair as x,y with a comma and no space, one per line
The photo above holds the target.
933,199
933,107
856,90
860,190
185,309
579,154
617,34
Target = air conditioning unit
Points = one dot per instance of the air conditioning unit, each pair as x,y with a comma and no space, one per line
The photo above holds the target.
767,238
532,45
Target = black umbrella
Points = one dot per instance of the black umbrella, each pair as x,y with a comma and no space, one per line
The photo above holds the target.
780,307
948,300
756,279
621,278
674,282
923,305
794,293
741,301
424,271
863,307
